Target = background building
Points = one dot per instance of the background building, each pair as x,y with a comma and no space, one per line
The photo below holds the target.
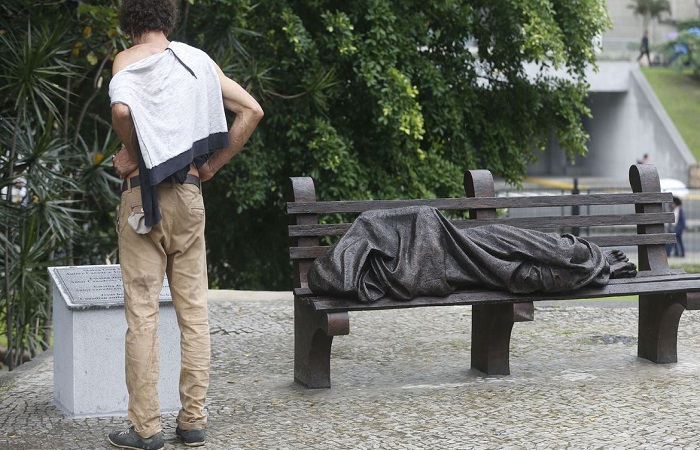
627,120
622,41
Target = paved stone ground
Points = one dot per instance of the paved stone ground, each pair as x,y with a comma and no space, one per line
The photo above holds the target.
401,380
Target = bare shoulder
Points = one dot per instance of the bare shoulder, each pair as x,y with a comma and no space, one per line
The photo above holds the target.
132,55
127,57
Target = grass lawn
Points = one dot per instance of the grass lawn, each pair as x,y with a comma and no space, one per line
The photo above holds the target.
679,93
688,267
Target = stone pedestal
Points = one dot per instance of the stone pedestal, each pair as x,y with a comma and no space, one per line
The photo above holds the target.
89,329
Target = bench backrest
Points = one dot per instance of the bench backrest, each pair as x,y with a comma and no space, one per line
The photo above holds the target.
617,220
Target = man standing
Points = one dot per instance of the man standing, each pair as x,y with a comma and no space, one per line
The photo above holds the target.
168,102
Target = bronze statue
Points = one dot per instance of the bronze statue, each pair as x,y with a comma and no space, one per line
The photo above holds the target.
415,251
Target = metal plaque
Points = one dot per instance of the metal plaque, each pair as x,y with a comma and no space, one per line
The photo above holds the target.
94,286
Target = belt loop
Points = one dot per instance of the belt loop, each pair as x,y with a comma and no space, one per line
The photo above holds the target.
128,185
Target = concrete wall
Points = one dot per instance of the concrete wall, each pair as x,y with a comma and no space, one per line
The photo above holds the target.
611,149
652,128
628,121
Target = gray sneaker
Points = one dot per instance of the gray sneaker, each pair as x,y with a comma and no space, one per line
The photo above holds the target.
191,438
131,439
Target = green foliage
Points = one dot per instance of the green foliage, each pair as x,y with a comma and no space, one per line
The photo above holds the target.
385,99
683,25
53,144
684,50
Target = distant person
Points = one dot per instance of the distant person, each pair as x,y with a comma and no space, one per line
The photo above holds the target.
678,228
18,192
644,48
644,160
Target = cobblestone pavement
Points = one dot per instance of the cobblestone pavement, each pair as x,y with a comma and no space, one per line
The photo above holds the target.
401,380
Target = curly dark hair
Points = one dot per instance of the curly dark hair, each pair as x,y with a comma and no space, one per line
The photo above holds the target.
137,17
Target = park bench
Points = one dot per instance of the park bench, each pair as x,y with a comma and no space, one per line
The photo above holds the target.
618,220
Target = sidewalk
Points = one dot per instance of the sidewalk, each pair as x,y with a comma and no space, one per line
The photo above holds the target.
401,380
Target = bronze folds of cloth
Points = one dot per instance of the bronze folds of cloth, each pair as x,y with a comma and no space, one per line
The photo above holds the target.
415,251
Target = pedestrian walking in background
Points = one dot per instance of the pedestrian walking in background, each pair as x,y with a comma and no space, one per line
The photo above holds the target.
644,48
678,228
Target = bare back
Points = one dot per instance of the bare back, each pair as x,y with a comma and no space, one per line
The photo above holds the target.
137,53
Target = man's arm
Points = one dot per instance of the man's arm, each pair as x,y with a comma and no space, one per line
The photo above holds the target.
248,115
126,159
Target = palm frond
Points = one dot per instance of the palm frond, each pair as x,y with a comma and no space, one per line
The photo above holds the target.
33,69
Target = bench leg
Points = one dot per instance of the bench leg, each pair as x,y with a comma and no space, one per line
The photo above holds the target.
313,338
659,316
491,329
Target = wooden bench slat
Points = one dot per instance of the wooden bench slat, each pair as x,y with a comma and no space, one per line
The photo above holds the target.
618,240
552,222
358,206
631,286
625,240
641,277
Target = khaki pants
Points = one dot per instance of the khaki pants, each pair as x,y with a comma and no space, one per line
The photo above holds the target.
175,246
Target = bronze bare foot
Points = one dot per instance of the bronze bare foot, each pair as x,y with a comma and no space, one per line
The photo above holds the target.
620,266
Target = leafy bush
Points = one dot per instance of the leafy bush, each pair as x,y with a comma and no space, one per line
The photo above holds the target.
56,195
685,50
384,99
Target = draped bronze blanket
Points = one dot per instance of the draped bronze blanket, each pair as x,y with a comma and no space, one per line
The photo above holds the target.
415,251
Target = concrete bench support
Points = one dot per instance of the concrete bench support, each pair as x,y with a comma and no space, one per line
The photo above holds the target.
89,329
